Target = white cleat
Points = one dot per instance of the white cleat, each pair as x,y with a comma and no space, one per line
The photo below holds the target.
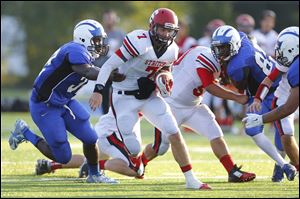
101,179
17,136
197,185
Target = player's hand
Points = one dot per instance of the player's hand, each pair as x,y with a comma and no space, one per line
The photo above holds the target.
242,99
255,106
252,120
95,101
115,76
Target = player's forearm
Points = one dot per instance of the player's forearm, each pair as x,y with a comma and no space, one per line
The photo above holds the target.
87,71
288,108
111,64
221,92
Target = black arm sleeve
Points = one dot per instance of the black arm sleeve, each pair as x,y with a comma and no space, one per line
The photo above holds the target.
87,71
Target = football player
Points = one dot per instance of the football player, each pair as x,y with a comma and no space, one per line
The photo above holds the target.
286,98
193,73
247,66
142,54
51,105
111,146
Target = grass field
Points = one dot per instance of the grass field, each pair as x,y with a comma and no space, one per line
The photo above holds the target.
163,177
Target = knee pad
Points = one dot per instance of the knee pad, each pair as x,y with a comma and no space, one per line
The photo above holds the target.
132,144
62,152
254,131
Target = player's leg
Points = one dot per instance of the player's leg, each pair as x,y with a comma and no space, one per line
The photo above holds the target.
125,110
265,144
159,114
77,122
47,166
202,121
121,162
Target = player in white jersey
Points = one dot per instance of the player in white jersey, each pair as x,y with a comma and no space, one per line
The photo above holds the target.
142,54
114,155
286,53
193,72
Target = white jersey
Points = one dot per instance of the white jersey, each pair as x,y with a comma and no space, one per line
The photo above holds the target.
283,90
136,58
266,41
194,71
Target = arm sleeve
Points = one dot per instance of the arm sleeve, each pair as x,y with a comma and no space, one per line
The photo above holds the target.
205,76
112,63
274,74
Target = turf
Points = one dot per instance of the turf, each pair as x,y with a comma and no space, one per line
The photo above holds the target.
163,177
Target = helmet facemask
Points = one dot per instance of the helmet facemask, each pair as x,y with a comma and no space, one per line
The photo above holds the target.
161,40
222,52
97,47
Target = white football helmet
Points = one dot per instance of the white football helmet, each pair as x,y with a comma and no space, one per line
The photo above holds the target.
226,42
287,46
164,83
91,34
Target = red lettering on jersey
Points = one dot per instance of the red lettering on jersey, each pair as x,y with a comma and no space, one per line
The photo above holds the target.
198,91
152,70
142,36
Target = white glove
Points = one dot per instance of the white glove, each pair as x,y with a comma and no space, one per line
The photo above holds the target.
164,83
252,120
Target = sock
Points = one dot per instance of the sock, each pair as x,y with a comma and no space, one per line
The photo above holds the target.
101,164
265,144
55,165
227,162
31,137
94,169
144,159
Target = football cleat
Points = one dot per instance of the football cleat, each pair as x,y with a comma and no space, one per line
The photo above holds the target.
101,178
197,185
290,171
17,136
139,167
277,174
237,175
84,170
42,167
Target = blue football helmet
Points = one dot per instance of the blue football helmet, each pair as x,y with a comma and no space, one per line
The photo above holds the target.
226,42
91,34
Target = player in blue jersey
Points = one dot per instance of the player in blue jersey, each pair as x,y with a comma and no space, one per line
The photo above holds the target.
286,98
51,105
246,65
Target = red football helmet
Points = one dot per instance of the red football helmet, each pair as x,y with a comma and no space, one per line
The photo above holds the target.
214,24
167,19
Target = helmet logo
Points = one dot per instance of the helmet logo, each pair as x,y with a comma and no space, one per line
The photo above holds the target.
95,32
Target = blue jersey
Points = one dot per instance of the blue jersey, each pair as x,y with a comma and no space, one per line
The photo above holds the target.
57,83
293,74
251,58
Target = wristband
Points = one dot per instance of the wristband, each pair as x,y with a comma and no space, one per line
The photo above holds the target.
261,92
98,88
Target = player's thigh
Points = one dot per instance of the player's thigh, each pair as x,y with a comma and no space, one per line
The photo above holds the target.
158,112
50,123
125,110
114,147
77,123
202,121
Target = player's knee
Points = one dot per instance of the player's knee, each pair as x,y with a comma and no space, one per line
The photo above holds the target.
62,153
254,131
91,139
163,148
133,145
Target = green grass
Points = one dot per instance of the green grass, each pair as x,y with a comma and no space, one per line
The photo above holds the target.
163,176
